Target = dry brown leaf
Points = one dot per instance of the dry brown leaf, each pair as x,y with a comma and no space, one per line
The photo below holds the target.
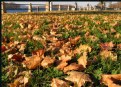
61,65
58,43
65,57
32,62
107,46
117,35
93,38
38,52
111,80
73,41
35,37
47,62
17,57
108,54
83,60
58,83
85,48
73,66
82,48
78,78
52,32
20,82
3,48
17,82
119,46
21,47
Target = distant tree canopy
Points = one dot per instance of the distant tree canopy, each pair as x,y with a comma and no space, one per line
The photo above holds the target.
12,6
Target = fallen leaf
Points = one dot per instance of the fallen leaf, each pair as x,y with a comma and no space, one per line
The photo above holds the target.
73,66
17,82
27,76
111,80
58,43
107,46
32,62
78,78
83,60
61,65
73,41
59,83
47,62
82,48
65,57
38,52
119,46
17,57
108,54
3,48
35,37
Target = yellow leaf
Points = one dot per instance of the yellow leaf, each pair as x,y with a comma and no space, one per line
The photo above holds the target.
83,60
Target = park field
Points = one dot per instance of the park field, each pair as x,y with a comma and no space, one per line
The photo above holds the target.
61,50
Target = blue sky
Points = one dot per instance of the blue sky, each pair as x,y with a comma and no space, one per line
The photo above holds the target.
81,3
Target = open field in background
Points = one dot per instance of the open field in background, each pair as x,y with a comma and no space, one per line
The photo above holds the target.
61,50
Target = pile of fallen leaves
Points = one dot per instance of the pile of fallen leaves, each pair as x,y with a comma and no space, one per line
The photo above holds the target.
61,51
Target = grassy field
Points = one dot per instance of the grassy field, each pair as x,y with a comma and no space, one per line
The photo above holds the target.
61,49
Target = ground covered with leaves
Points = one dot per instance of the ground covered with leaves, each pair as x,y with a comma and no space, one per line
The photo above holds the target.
79,50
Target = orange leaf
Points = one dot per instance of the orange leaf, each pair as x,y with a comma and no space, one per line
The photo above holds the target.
111,80
73,41
33,62
38,52
119,46
61,65
73,66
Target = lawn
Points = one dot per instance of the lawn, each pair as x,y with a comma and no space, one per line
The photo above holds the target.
61,50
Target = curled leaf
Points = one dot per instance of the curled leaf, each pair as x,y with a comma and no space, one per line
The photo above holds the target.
61,65
111,80
73,66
